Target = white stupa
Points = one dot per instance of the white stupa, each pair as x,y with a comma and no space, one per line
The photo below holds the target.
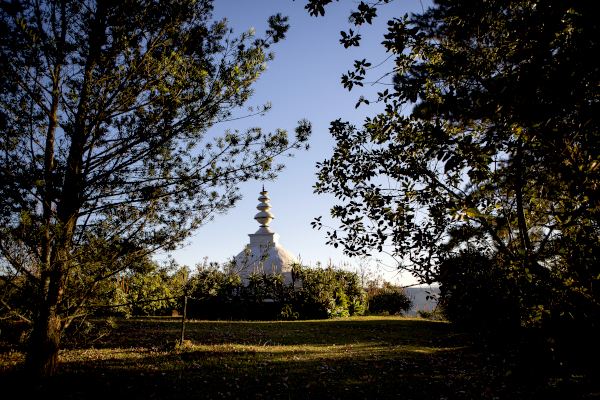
264,254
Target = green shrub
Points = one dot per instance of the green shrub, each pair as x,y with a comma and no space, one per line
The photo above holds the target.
213,283
288,313
326,293
263,286
434,314
476,292
214,293
388,299
144,289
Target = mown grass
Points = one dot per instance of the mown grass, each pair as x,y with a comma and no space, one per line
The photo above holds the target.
368,357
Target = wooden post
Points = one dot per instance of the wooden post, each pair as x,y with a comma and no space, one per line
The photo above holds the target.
183,320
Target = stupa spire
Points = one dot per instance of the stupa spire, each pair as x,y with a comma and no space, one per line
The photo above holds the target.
264,215
264,254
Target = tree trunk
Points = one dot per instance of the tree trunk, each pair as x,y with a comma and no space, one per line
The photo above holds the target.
42,358
521,220
44,343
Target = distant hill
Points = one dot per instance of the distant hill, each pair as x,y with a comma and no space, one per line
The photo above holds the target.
419,294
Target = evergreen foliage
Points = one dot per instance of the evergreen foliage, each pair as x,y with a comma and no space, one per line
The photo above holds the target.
106,147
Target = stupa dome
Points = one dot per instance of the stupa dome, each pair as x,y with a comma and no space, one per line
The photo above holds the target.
264,254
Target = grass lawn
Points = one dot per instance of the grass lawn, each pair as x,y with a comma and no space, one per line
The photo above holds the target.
353,358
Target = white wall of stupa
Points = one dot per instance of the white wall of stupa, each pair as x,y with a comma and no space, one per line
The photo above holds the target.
264,254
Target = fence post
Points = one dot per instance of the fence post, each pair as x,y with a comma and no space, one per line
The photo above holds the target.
183,320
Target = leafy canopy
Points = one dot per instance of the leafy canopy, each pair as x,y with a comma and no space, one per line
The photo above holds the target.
486,136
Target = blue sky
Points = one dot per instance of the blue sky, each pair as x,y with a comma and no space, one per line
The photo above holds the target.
302,82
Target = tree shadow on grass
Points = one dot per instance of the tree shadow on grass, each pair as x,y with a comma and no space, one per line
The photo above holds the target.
134,333
369,372
336,359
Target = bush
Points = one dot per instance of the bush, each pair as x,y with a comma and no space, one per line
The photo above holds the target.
141,291
389,299
314,293
214,284
262,287
288,313
327,293
214,294
477,293
434,315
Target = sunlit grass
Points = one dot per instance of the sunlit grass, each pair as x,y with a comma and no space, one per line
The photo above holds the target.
247,342
364,357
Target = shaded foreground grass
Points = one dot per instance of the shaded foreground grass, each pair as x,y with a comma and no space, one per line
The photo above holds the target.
374,358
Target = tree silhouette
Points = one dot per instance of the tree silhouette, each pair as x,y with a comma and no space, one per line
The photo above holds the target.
106,152
487,139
